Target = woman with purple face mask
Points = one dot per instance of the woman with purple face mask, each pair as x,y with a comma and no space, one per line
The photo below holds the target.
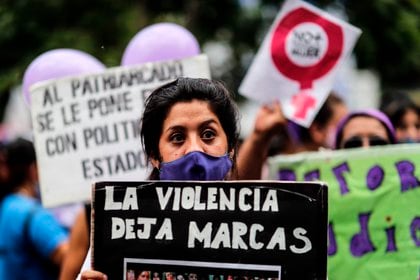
189,132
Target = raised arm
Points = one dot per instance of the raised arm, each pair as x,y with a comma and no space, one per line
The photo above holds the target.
254,150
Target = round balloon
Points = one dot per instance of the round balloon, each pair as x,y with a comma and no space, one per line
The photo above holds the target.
161,41
58,63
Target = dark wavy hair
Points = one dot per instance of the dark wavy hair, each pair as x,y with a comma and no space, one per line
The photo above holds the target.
18,155
161,100
397,109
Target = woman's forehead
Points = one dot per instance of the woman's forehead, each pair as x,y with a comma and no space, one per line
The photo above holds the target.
364,125
196,110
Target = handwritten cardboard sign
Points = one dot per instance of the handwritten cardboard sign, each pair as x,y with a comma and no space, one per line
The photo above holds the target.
228,230
298,59
87,128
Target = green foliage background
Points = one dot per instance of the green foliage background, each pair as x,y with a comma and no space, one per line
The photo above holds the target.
390,43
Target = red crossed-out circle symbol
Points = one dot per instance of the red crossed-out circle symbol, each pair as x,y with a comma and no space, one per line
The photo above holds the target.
305,75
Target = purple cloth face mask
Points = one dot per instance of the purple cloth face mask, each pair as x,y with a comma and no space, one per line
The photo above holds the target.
196,166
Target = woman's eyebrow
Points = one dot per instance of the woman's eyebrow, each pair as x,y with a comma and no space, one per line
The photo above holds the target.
208,122
182,128
175,128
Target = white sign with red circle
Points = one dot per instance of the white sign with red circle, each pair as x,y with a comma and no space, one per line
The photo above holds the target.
298,59
306,44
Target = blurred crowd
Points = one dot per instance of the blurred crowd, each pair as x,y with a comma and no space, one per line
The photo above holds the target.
39,243
34,238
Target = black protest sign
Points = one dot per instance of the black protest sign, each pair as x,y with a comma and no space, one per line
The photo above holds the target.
214,230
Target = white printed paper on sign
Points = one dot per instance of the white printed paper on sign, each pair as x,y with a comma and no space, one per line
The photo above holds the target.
298,59
87,127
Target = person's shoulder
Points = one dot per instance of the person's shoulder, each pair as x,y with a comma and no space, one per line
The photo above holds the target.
15,210
44,230
20,203
21,209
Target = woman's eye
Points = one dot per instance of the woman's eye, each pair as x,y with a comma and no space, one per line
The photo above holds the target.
208,134
177,138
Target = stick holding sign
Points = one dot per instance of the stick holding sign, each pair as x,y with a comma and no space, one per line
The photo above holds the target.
298,59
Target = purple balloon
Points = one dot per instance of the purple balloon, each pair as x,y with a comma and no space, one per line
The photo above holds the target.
161,41
58,63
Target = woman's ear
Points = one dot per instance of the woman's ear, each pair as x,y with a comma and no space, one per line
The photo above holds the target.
154,160
155,163
33,173
232,154
317,133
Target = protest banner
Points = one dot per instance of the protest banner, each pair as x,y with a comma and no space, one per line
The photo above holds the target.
226,230
374,210
86,128
298,60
